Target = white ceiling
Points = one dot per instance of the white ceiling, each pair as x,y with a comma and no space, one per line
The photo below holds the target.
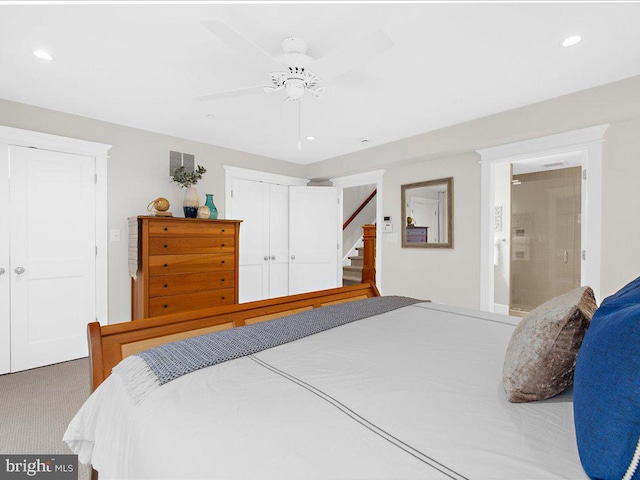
139,65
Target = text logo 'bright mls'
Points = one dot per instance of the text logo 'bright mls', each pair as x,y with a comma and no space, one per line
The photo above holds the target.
60,467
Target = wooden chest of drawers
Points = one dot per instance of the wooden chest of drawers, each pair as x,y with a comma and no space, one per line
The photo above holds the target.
183,264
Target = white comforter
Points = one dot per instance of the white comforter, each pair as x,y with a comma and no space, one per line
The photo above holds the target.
415,393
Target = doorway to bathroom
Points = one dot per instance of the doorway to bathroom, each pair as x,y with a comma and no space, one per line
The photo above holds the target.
538,247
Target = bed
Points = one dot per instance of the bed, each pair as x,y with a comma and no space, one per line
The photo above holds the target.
411,393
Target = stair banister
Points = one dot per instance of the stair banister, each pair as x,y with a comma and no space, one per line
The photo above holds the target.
369,262
359,209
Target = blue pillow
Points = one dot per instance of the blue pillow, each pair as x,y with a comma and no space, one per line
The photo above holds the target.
606,391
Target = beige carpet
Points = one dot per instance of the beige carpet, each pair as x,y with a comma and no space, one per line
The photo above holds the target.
37,405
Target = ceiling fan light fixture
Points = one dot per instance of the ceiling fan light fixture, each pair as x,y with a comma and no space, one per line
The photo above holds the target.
43,55
294,88
570,41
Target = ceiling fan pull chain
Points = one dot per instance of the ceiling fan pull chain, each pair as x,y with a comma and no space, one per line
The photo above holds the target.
300,124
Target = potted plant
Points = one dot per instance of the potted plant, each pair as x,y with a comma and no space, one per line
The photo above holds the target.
188,180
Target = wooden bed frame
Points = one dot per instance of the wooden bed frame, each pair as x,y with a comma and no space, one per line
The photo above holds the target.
109,344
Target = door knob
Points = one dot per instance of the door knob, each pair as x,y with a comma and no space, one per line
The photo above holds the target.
293,257
273,257
266,257
19,270
2,271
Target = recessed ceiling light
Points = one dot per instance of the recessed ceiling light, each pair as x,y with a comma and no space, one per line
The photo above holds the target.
311,137
43,55
570,41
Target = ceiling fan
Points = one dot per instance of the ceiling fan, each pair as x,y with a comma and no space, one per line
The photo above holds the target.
294,71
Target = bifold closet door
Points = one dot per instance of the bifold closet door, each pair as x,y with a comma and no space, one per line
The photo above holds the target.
53,256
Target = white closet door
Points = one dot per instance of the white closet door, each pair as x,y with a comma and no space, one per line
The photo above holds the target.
278,241
53,295
313,238
5,277
250,203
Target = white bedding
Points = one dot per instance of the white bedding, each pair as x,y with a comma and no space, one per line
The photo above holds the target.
415,393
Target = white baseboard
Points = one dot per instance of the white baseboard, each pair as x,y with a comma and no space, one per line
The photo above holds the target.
499,308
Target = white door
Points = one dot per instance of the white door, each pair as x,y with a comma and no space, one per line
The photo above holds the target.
278,241
250,203
313,238
5,276
52,245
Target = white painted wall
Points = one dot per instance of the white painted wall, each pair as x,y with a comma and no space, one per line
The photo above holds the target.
620,206
448,152
138,172
438,274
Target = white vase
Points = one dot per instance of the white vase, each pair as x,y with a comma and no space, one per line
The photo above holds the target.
191,202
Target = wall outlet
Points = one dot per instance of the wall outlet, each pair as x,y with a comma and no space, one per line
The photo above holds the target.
114,235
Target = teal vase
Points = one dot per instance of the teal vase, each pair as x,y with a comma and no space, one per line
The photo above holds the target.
213,211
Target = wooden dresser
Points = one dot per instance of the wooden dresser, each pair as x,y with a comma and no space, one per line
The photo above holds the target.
182,264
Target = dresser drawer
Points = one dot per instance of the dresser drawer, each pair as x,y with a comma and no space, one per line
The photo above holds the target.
170,264
191,245
190,301
195,228
190,282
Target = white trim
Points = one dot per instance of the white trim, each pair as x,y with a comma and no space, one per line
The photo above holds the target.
102,235
98,153
587,141
357,180
46,141
499,308
537,147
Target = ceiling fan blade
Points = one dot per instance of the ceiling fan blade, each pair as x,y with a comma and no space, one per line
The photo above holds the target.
252,52
351,55
231,93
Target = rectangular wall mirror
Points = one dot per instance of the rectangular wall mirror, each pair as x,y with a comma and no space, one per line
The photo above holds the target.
427,214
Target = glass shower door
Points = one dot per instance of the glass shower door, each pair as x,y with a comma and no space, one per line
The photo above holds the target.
545,236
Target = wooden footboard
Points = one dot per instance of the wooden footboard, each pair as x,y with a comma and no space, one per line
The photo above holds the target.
111,343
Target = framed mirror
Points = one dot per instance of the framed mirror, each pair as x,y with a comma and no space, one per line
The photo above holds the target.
427,214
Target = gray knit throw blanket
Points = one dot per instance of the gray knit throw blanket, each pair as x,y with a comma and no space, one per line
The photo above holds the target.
142,373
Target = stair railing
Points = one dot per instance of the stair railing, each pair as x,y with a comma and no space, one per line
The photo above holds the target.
359,209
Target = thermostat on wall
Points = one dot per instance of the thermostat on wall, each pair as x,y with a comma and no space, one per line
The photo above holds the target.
387,225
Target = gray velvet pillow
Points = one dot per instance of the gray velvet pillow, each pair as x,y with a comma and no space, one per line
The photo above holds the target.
541,355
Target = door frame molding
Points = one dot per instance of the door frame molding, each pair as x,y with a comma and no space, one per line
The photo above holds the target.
588,142
10,136
358,180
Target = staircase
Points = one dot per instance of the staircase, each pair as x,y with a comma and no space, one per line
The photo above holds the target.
352,274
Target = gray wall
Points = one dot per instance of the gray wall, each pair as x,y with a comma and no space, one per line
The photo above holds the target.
138,172
453,276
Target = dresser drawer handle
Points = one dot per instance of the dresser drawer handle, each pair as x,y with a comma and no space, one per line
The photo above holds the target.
166,306
166,286
166,229
222,280
222,261
222,245
166,246
166,264
222,298
223,230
